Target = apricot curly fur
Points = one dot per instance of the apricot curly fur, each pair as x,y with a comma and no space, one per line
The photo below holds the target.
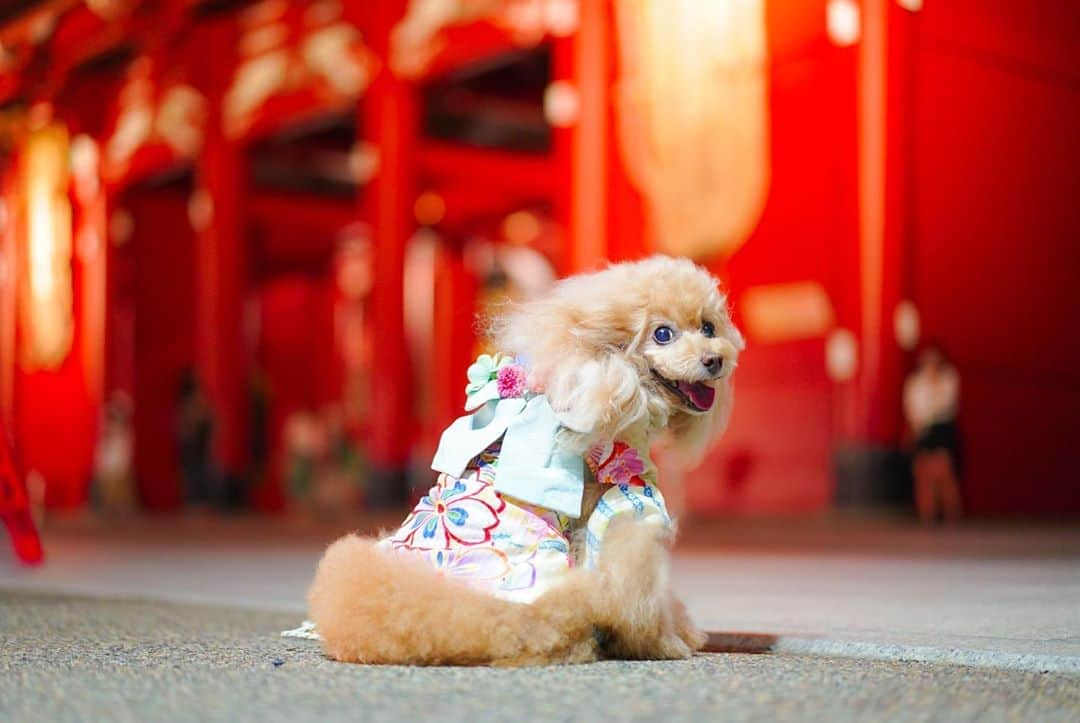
588,345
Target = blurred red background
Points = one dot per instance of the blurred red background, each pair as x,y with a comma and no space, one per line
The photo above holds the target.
283,219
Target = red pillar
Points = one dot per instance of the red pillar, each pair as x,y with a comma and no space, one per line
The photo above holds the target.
882,85
388,121
54,404
454,323
869,468
583,62
222,356
8,294
161,252
91,249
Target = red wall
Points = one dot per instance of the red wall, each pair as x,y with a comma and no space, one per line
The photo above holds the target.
995,220
776,454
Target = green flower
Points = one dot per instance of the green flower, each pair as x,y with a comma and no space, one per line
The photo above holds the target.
482,374
483,370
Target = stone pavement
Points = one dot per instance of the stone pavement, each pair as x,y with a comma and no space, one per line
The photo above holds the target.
872,588
78,659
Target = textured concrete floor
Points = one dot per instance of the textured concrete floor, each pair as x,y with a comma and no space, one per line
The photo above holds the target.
980,595
76,659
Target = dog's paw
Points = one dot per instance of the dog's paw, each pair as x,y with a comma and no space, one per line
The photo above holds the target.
689,633
673,647
694,637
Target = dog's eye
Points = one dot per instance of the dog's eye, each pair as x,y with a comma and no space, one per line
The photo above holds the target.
708,330
663,335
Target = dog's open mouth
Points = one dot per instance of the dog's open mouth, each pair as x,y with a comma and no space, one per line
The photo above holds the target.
696,395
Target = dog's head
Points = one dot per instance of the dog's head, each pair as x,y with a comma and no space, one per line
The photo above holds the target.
642,343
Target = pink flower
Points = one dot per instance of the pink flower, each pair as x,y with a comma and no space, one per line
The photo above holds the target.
510,381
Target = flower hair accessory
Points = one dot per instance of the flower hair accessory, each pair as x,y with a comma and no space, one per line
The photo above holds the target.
510,381
494,377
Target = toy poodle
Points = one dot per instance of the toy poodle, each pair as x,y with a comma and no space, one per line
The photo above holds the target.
545,538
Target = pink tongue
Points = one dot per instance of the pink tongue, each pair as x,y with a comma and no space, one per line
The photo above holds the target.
702,395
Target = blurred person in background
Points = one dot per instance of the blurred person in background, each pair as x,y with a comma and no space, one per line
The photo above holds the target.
931,400
324,468
114,484
195,438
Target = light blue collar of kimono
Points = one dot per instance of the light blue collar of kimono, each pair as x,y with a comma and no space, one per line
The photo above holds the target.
533,467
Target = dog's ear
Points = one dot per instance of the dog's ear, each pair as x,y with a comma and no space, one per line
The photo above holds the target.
596,397
575,342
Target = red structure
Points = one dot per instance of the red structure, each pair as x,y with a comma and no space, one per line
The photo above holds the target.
15,509
248,179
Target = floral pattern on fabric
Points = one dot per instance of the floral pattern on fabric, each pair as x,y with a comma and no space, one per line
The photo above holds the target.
462,511
615,463
467,531
517,553
641,501
471,563
511,549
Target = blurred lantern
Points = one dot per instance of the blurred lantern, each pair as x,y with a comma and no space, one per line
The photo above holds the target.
693,118
843,21
47,294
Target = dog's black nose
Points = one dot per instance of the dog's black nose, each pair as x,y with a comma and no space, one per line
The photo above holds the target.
713,362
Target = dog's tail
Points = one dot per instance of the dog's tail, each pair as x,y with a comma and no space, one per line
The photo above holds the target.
373,606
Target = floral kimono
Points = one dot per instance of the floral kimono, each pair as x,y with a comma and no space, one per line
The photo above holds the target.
500,514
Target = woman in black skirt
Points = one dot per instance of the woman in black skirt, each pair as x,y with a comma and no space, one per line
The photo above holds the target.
931,398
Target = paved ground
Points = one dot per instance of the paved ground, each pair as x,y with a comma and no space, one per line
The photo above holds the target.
1002,596
67,658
